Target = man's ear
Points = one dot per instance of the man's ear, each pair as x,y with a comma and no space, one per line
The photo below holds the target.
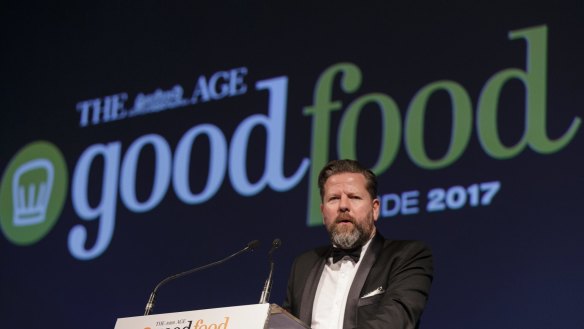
376,205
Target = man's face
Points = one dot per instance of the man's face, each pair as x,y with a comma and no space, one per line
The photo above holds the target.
348,211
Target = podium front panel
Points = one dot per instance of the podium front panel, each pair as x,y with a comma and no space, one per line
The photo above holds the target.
237,317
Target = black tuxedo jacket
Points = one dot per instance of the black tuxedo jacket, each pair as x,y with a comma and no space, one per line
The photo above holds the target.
400,271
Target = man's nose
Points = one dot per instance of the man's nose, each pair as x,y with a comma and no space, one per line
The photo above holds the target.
344,204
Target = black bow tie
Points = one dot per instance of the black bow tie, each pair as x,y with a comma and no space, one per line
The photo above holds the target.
338,253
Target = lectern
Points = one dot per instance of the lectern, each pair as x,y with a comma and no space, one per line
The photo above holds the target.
256,316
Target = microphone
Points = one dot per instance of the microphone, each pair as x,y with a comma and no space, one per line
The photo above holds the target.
150,305
268,284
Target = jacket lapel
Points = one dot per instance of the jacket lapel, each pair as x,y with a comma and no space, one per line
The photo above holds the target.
350,318
310,287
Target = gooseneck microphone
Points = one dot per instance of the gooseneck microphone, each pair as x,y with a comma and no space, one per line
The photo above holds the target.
150,305
268,284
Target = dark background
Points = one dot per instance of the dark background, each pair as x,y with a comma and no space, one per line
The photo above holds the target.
514,264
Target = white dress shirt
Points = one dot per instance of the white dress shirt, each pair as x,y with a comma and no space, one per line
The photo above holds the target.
333,288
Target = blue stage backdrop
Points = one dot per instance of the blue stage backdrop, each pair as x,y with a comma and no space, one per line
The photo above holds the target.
139,142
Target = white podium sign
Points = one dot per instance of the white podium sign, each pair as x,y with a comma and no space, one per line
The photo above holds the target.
237,317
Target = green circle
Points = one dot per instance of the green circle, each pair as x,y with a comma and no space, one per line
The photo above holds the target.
29,204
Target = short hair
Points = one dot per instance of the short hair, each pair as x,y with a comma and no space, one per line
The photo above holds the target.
347,166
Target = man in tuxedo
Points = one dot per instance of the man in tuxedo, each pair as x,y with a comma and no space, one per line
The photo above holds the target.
362,280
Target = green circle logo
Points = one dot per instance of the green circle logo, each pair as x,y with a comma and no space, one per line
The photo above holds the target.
32,193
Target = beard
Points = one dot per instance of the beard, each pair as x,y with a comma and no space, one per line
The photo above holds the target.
350,236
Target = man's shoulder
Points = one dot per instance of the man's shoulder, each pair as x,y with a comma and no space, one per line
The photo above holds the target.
315,252
312,255
396,247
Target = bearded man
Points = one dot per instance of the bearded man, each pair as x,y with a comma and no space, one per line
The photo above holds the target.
362,280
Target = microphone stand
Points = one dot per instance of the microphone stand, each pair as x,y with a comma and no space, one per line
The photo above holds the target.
269,281
150,304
